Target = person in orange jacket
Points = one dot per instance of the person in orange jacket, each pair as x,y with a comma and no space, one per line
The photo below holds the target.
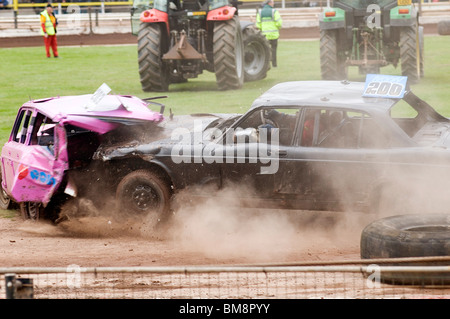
48,30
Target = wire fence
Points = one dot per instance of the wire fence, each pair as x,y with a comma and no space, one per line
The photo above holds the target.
232,282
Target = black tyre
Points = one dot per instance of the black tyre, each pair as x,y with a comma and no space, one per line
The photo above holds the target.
228,49
408,54
257,54
415,235
31,210
152,44
412,235
332,65
422,52
5,201
142,193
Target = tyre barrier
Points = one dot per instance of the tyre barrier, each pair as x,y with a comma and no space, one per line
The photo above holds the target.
409,236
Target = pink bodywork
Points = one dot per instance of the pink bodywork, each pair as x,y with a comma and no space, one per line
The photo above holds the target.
32,173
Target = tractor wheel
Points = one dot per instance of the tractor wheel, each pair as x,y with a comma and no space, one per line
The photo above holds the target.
151,46
142,193
408,53
332,66
228,50
421,46
257,54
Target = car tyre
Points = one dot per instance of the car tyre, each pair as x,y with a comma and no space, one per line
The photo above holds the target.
5,200
31,210
414,235
142,193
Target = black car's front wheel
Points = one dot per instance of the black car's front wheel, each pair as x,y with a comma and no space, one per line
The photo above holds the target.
142,193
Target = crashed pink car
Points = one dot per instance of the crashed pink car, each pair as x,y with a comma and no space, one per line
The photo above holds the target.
48,155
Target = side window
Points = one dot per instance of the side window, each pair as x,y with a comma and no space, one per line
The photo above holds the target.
21,127
271,125
337,128
43,132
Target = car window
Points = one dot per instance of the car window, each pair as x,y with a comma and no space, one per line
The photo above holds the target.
42,131
337,128
272,125
21,127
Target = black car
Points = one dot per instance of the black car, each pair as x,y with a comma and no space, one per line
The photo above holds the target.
316,145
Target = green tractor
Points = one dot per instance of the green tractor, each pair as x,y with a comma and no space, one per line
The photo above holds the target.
178,39
370,34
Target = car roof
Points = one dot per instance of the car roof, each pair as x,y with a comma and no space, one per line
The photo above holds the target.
343,94
111,106
100,116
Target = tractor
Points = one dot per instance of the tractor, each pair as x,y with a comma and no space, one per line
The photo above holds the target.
178,39
370,34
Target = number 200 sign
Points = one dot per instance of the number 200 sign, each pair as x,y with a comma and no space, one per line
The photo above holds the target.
386,86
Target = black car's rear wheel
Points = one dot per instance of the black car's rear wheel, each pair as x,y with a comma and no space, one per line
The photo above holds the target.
142,193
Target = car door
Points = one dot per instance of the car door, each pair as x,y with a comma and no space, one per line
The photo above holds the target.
35,157
258,153
344,152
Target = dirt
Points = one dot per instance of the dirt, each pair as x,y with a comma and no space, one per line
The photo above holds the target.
201,235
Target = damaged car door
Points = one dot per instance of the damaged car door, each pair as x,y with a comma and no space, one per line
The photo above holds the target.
34,159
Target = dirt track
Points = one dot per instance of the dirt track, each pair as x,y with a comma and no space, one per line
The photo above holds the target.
128,38
208,234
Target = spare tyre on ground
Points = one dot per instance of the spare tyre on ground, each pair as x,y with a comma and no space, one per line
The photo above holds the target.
409,236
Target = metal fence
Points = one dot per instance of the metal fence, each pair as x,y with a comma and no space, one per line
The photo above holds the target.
232,282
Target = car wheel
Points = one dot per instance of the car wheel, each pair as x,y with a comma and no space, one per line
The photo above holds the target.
30,210
5,201
142,193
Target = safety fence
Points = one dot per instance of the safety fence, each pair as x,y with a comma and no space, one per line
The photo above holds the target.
370,281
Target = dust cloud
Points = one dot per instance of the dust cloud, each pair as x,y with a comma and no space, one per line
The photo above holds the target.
219,228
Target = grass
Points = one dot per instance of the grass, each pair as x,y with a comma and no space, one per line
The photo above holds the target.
27,73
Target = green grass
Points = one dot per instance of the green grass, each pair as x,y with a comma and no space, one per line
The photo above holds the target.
27,73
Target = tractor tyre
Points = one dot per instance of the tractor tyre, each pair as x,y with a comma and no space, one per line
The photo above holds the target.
332,66
257,54
408,53
152,45
228,50
422,57
143,193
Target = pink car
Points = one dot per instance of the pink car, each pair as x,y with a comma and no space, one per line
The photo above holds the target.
54,137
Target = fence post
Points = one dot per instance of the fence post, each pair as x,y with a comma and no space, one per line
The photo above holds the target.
18,288
15,8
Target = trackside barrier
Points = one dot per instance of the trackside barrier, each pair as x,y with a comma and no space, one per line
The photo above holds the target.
233,282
